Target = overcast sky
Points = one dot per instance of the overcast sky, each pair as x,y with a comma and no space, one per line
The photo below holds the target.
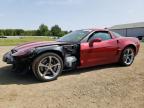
69,14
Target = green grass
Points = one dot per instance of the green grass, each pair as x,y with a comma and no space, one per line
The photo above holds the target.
14,42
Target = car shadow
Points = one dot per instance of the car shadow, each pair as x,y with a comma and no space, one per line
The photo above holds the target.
89,69
7,77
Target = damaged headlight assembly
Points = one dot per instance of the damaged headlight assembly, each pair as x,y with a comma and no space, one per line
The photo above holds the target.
23,52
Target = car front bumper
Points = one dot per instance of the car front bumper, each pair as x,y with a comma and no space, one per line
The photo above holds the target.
8,58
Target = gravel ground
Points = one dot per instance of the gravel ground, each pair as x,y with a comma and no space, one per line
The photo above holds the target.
108,86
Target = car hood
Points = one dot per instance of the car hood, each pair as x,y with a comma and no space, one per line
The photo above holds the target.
28,46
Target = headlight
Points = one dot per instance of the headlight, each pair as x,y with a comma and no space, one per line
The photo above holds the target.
24,52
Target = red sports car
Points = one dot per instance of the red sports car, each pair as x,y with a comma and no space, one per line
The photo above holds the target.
78,49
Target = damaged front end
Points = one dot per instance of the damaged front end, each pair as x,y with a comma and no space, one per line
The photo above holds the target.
20,60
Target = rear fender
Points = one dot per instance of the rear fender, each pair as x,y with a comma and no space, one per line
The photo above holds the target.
129,43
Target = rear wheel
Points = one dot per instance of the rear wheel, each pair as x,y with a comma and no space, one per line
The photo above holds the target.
127,56
47,67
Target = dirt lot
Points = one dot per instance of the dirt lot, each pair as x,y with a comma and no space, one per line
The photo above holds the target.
109,86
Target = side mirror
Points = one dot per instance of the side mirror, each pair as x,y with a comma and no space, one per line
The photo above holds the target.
93,41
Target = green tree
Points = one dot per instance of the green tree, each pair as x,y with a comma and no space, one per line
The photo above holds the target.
18,32
1,33
56,31
64,33
8,32
30,33
43,30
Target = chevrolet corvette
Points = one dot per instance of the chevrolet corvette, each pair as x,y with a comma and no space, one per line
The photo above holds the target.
78,49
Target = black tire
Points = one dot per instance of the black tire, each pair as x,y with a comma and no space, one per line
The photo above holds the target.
37,70
123,57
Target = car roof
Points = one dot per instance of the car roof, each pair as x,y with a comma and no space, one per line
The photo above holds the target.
96,29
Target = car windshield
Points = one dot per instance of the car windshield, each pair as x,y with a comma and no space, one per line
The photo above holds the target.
75,36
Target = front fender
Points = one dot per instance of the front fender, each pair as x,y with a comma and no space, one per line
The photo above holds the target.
55,48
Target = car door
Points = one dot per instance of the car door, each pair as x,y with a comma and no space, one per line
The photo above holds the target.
101,52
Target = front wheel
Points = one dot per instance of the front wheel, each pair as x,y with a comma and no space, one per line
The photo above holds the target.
47,67
127,56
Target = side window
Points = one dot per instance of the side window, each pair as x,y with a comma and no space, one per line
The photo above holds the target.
102,35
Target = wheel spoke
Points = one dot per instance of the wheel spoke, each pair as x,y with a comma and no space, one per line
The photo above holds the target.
128,51
58,64
46,72
53,72
50,59
131,54
125,55
128,59
43,65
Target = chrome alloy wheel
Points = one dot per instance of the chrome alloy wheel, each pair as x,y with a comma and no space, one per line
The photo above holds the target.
49,67
128,56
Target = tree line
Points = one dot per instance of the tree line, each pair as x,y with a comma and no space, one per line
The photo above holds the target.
43,30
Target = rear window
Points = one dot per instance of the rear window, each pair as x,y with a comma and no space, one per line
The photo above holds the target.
116,34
